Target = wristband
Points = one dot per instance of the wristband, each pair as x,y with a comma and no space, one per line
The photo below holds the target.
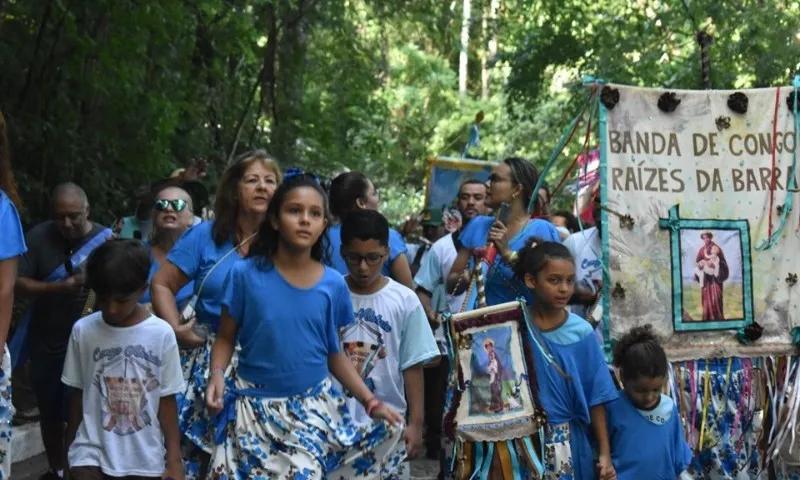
372,405
219,370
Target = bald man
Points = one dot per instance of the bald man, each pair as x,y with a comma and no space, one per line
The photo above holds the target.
50,273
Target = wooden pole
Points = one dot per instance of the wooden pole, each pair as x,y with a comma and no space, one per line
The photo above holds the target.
705,40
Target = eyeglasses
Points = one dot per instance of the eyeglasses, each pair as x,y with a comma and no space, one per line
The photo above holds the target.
355,259
177,205
495,178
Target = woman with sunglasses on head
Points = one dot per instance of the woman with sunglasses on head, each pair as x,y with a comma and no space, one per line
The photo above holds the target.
353,191
512,182
172,215
205,255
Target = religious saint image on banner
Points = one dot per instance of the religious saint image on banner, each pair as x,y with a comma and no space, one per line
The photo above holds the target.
493,379
711,273
444,176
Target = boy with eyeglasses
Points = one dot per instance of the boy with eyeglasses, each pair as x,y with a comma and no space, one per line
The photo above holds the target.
390,341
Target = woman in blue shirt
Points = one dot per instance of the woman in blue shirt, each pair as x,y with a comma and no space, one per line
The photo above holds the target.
351,191
511,182
12,245
172,215
205,255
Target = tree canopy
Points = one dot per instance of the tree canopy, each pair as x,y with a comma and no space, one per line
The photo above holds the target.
114,94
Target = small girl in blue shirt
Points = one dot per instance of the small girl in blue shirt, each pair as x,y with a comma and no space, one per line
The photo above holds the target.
284,419
644,427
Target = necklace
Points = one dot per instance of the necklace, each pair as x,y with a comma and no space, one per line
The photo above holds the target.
518,225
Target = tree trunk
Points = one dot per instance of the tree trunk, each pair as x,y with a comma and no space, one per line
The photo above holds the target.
484,37
464,56
288,106
490,32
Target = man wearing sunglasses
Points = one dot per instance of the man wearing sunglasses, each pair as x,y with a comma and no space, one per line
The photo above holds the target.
50,273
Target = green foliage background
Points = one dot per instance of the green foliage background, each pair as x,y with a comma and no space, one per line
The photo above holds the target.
115,93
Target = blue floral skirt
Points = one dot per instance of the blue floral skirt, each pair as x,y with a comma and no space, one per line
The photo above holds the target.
6,414
307,436
193,418
558,452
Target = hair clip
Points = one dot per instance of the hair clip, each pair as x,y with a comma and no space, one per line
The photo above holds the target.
299,172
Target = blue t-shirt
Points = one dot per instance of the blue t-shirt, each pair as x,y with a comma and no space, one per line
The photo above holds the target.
184,294
573,346
646,444
501,286
287,335
195,255
397,246
13,239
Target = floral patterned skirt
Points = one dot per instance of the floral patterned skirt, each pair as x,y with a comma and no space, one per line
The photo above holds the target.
557,452
729,452
307,436
193,419
6,414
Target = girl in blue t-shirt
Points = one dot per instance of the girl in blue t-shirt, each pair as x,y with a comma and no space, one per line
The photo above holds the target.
644,426
350,192
285,308
571,375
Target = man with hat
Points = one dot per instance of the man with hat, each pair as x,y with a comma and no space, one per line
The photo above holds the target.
433,228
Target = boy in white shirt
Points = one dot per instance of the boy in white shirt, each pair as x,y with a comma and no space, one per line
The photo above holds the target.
125,368
390,341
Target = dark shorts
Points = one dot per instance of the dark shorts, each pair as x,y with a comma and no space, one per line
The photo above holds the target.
94,473
52,396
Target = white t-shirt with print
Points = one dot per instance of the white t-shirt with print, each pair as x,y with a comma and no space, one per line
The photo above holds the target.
586,249
123,373
390,334
432,276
